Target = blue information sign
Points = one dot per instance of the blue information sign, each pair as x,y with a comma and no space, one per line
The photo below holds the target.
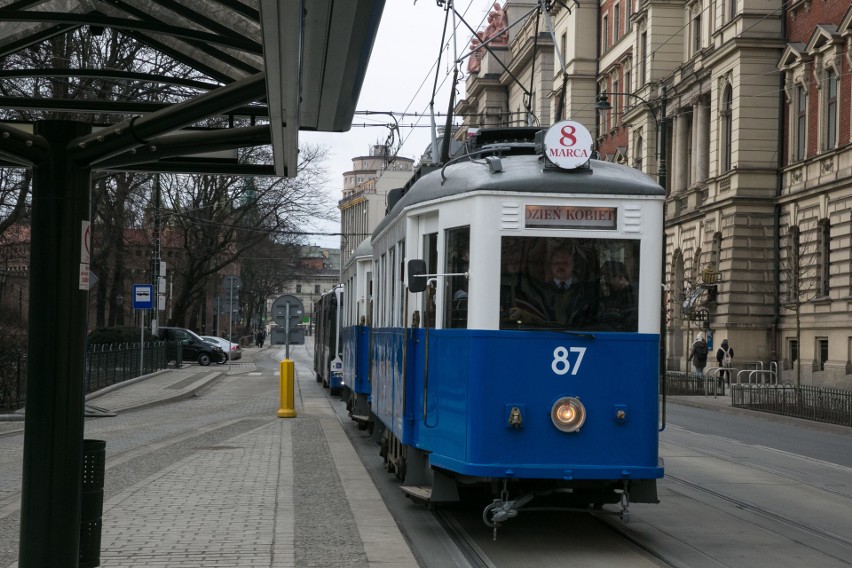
143,297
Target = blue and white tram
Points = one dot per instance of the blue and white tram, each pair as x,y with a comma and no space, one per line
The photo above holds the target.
328,345
483,370
356,317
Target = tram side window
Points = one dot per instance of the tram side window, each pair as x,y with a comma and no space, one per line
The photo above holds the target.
570,284
457,262
400,273
430,254
393,315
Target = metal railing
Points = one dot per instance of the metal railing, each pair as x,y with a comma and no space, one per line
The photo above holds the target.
756,374
693,384
112,363
830,405
107,364
13,380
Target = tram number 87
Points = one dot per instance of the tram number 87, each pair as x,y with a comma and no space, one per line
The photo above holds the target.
561,365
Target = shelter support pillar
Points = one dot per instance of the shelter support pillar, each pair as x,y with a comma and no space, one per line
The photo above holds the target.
53,435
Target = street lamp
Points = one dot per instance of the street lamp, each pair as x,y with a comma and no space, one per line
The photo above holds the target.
602,104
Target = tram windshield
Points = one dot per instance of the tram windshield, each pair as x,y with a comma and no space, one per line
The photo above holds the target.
569,284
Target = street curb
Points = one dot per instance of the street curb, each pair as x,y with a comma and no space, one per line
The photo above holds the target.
197,390
127,383
768,416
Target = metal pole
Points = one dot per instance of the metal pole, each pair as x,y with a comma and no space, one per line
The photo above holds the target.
661,178
231,311
287,330
155,268
141,342
53,435
661,171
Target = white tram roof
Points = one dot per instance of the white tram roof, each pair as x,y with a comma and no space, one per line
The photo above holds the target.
364,250
524,174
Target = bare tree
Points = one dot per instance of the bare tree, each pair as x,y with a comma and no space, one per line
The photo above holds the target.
802,279
218,219
265,269
115,196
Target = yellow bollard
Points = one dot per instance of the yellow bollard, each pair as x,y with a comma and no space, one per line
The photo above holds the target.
287,370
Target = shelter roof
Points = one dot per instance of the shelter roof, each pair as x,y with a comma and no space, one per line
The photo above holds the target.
285,65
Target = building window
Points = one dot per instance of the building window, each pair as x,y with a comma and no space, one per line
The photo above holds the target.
823,257
298,288
643,55
822,351
605,33
616,104
616,21
793,264
793,349
831,110
732,9
628,6
716,252
628,77
639,153
316,288
696,34
801,122
727,127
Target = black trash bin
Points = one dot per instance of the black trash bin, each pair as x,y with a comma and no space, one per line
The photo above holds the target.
92,502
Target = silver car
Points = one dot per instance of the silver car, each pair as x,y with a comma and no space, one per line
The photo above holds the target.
233,351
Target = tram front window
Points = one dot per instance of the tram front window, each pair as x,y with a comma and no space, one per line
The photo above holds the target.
569,284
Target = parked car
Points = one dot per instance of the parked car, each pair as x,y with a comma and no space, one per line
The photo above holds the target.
192,346
233,351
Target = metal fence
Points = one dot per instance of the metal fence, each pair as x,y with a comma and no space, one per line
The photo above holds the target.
112,363
833,406
107,364
13,380
692,384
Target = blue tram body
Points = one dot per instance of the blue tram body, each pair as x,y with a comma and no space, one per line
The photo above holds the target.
457,404
355,318
356,373
482,362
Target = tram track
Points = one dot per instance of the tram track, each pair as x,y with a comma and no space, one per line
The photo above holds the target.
618,528
467,547
766,513
772,471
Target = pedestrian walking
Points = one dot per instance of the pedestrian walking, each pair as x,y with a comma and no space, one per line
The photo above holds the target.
725,357
698,354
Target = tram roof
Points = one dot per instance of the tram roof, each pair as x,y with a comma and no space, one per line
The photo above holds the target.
524,174
286,66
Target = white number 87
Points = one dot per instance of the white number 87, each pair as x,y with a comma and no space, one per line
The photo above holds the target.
561,365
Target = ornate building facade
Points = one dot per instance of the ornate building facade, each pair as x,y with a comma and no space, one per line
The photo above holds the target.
741,110
365,189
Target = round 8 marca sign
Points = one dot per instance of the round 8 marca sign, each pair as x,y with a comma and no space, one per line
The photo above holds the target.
568,144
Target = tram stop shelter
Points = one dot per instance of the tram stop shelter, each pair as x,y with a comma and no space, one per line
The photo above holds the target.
272,68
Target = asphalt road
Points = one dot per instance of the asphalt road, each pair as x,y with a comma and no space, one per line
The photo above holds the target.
740,489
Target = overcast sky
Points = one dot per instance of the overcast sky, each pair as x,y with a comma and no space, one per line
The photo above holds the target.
400,78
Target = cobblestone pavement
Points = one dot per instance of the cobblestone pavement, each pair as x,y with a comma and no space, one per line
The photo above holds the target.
202,473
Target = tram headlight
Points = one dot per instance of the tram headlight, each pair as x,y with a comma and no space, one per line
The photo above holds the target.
568,414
